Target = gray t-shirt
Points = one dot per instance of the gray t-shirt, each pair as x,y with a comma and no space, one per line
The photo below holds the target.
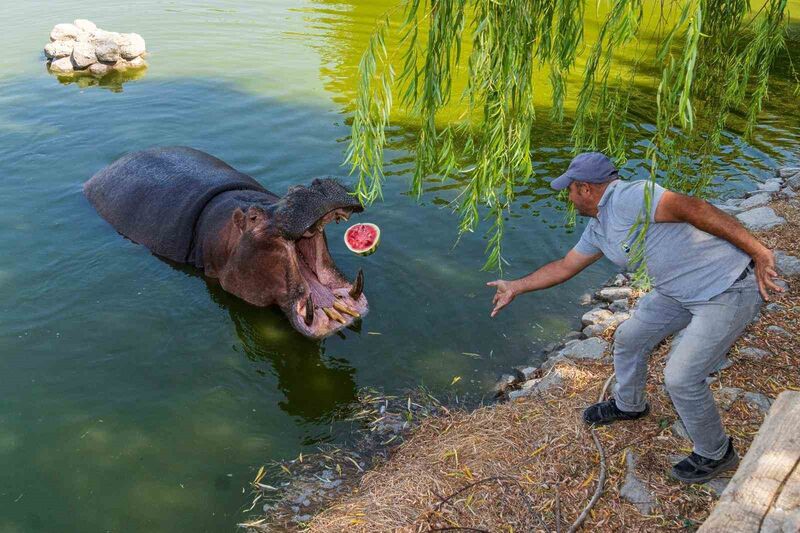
684,262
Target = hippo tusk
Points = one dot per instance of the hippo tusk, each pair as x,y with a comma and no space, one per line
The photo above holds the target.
358,286
309,318
333,314
339,306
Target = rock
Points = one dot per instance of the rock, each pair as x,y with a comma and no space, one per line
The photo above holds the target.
529,372
754,353
131,45
585,299
789,193
760,218
773,308
137,62
634,490
62,65
83,55
619,305
718,485
593,348
788,172
782,284
85,26
726,396
771,185
730,209
761,402
302,517
555,360
733,201
106,47
58,49
619,280
754,201
536,386
99,69
777,330
793,182
573,335
595,330
505,382
679,430
596,316
609,294
61,32
550,347
617,319
788,265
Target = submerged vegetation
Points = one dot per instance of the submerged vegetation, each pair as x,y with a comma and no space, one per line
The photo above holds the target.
706,61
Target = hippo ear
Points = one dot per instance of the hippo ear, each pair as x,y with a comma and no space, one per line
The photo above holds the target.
239,219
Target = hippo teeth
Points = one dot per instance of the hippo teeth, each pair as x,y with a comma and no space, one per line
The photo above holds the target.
339,306
333,314
309,318
358,286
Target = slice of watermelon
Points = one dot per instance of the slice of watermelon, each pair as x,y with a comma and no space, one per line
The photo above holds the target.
362,239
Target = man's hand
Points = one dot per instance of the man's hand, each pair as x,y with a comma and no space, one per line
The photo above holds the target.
765,272
505,293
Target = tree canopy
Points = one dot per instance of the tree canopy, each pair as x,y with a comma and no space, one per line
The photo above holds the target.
704,59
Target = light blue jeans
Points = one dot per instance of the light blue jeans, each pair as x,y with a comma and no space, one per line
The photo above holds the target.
707,331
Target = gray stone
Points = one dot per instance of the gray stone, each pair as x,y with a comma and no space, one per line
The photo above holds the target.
777,330
755,201
62,32
730,209
99,69
617,319
733,201
586,299
726,396
788,265
84,25
62,65
596,316
634,490
609,294
620,280
718,485
58,49
619,305
302,517
595,330
771,185
761,402
555,360
679,430
535,386
760,218
593,348
793,182
528,372
782,284
754,353
789,193
724,365
505,382
105,46
773,308
83,55
788,172
573,335
136,62
131,45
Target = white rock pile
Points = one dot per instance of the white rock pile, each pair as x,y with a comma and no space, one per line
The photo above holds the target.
82,47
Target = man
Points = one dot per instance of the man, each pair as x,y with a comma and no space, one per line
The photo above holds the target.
709,276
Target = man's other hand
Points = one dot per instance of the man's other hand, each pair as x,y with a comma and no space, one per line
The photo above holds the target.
505,293
765,272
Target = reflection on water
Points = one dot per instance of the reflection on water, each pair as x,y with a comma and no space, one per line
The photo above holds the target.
112,81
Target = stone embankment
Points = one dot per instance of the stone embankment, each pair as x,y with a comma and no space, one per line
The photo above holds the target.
83,48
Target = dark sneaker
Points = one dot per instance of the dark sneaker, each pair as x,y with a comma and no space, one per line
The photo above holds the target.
699,469
607,412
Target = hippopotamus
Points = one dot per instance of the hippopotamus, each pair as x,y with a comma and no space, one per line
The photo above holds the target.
190,207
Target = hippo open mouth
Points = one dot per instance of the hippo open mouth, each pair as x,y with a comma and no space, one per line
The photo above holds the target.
330,302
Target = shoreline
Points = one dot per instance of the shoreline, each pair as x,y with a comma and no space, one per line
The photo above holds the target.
572,372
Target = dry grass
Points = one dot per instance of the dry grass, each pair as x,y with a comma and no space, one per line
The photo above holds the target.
532,465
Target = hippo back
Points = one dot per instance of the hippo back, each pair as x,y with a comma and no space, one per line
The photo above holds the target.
155,197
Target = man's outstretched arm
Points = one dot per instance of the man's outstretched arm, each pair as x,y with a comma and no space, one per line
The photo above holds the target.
550,274
675,207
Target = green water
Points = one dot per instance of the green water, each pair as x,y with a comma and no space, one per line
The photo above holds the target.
134,396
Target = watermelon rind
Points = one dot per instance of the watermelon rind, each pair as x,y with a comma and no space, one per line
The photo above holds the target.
371,249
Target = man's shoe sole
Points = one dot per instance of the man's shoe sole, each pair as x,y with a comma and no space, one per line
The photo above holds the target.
731,464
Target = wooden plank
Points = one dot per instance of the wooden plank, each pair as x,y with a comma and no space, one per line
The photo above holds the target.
785,513
769,469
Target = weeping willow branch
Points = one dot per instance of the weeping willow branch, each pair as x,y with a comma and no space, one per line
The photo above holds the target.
714,60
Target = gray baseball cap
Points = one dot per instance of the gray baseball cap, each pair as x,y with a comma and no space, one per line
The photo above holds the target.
589,167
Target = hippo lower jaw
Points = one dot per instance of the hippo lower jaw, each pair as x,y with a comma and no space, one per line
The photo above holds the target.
329,302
